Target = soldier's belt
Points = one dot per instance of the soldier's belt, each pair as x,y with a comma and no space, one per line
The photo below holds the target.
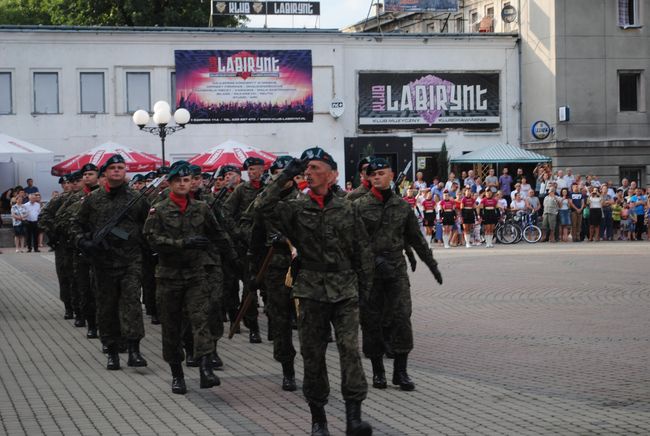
325,267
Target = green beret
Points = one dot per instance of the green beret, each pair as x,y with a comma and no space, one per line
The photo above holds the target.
317,153
196,170
62,180
377,163
89,167
137,178
364,161
280,163
179,171
75,176
227,169
116,158
206,175
163,170
151,175
179,163
249,162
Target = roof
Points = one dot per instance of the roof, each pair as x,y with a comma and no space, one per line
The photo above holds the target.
501,153
9,144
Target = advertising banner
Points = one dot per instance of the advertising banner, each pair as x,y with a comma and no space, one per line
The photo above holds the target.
428,100
420,5
265,8
245,86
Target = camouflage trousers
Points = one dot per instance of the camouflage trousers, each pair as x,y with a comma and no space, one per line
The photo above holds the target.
280,305
386,315
119,312
215,308
68,271
313,328
85,279
175,297
149,262
65,281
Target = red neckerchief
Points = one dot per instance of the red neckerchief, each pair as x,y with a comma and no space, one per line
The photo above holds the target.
107,188
302,185
320,199
87,190
377,194
256,184
366,183
180,201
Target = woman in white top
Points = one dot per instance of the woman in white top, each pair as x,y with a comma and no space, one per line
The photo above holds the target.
518,206
525,188
18,215
595,203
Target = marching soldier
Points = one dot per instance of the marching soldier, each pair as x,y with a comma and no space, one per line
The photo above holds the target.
46,222
364,186
335,270
386,313
181,230
138,182
234,207
117,262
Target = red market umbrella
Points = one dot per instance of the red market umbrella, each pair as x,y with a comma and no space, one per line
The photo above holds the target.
136,161
230,153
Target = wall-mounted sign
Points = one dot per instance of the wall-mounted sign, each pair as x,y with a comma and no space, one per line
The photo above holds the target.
509,14
541,130
420,5
428,100
245,86
337,107
265,8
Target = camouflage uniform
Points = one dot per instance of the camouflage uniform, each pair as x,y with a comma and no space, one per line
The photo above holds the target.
359,191
62,229
118,268
46,221
335,269
181,272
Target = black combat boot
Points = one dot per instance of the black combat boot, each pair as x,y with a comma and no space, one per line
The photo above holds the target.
113,363
216,361
208,378
79,321
92,329
254,335
318,421
378,373
154,319
400,376
69,313
288,377
135,358
354,425
178,381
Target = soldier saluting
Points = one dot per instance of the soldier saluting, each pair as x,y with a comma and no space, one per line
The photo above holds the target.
386,313
182,230
335,268
117,262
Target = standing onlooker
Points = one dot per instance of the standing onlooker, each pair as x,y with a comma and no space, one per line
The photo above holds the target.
33,208
524,188
519,175
625,185
577,205
492,181
549,221
451,180
18,215
617,208
505,185
565,215
595,203
30,188
607,224
469,181
638,201
5,200
534,205
569,179
419,181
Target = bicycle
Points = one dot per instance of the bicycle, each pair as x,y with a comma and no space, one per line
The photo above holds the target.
506,231
527,230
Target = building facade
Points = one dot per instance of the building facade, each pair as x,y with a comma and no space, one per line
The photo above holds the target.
70,89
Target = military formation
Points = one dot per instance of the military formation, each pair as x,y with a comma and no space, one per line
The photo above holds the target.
199,250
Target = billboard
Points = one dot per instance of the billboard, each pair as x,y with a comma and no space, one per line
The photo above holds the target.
265,8
245,86
420,5
428,100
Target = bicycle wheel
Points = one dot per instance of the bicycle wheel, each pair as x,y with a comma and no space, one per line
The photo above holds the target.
532,234
508,233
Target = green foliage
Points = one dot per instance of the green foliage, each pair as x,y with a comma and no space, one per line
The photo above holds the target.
162,13
443,163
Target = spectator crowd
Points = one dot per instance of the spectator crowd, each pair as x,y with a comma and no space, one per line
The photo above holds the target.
567,207
24,205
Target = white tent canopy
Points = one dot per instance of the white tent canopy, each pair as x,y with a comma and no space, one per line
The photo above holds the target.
21,160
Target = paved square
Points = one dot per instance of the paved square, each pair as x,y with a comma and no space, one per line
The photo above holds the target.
528,339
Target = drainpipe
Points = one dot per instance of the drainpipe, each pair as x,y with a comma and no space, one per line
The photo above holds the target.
519,50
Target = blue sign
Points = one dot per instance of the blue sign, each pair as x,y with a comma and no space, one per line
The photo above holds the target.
541,130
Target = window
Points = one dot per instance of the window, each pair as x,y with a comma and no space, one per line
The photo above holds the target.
5,93
489,11
46,93
172,100
628,13
92,93
632,174
473,20
629,84
459,25
138,94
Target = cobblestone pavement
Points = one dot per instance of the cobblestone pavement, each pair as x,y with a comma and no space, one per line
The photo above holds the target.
529,339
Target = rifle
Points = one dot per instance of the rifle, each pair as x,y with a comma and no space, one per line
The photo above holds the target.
252,291
401,176
111,225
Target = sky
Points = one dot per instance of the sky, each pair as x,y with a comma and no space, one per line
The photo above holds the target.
335,14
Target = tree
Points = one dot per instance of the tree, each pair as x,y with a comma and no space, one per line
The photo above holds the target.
162,13
443,163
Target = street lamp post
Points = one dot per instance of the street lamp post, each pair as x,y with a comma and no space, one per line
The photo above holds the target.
161,117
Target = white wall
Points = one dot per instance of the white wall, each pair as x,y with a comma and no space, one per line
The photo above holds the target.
336,60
